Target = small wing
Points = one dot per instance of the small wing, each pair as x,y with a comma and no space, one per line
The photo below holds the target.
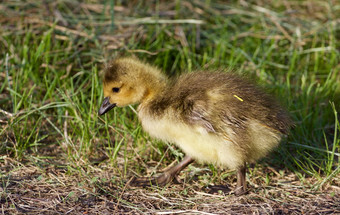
199,116
215,119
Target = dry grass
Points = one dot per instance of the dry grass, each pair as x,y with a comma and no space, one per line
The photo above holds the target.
50,189
31,189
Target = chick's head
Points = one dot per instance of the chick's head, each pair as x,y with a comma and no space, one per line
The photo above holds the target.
123,84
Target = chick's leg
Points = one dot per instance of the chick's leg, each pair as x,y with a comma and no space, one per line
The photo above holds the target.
241,187
167,177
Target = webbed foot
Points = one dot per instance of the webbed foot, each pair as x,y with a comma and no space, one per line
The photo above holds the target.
167,177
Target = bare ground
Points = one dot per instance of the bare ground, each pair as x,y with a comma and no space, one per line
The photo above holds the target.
53,189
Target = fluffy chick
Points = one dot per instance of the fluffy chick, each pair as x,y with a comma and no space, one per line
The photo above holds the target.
214,117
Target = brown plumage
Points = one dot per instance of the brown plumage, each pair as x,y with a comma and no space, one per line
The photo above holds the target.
214,117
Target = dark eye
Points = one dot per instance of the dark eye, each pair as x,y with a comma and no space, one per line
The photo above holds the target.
115,89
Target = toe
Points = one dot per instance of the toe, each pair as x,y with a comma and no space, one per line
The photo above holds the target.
142,182
160,181
239,191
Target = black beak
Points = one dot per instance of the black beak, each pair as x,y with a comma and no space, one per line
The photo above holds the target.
106,106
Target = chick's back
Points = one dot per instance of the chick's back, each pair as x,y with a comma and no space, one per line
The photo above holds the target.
221,101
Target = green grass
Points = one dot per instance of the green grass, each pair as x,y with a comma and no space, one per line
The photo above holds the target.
51,86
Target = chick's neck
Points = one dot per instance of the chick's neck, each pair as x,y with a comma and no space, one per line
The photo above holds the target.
156,84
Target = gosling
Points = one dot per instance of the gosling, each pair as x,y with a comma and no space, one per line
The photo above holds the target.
214,117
